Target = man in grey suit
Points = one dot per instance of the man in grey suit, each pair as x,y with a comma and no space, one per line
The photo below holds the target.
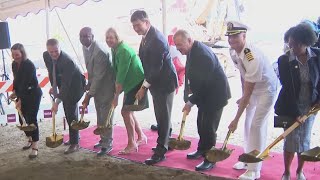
160,78
66,77
101,84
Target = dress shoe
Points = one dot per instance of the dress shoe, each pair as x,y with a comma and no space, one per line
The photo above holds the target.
28,146
240,166
104,151
205,165
34,153
301,176
155,148
127,150
250,175
155,158
195,155
72,148
97,145
154,127
286,177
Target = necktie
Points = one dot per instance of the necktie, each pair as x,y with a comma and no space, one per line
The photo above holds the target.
54,78
143,41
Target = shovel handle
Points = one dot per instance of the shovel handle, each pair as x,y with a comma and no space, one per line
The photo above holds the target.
136,102
24,123
284,134
82,114
109,116
183,122
226,140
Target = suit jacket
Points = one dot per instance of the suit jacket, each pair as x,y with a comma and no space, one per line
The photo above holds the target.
25,82
286,104
70,80
100,72
157,63
208,83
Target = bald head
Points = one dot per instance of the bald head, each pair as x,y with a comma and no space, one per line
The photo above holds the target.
86,36
183,41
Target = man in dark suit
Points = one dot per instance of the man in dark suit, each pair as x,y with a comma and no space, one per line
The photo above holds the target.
210,92
65,75
160,78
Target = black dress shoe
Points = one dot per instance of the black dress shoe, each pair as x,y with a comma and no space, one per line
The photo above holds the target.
204,166
97,145
104,151
155,148
154,159
154,127
195,155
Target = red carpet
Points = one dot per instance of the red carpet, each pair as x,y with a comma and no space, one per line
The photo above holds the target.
272,167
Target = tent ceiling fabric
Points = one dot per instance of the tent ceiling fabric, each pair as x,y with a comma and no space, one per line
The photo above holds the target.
14,8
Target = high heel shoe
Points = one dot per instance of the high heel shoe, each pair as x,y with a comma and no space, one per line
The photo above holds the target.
34,153
28,146
142,141
127,150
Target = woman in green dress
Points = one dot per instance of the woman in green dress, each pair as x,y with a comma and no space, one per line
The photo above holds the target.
129,78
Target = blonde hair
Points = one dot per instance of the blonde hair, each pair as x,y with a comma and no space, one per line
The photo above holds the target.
113,30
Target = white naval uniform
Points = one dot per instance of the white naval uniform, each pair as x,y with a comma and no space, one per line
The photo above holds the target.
256,68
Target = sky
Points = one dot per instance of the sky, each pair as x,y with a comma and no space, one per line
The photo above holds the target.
268,20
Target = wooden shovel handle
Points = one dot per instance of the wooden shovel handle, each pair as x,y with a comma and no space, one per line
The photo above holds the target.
82,114
24,123
226,140
109,116
183,122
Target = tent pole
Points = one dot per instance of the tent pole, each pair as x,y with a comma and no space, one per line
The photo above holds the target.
47,18
164,17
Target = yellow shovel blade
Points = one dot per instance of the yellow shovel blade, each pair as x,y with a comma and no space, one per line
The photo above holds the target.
253,157
54,140
312,155
216,155
79,125
179,144
27,128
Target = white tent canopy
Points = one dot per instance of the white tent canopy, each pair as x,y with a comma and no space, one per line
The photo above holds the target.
14,8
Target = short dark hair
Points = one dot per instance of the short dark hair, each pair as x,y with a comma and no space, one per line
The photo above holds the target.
287,35
139,15
303,33
52,42
20,47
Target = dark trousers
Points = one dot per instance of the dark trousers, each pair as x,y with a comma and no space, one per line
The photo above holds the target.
208,122
71,113
162,103
29,108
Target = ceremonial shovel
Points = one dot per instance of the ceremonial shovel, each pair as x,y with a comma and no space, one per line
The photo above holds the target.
311,155
180,143
135,107
24,126
216,155
103,129
55,140
255,155
81,124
